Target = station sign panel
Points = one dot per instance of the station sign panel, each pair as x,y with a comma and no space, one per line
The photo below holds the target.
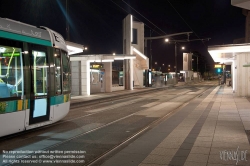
96,66
217,66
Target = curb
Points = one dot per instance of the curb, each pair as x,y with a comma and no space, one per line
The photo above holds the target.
105,99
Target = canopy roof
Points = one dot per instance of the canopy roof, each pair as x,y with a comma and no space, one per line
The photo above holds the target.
226,53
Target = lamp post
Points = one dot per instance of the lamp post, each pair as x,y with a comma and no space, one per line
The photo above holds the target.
67,22
159,37
182,41
197,58
155,66
175,55
167,40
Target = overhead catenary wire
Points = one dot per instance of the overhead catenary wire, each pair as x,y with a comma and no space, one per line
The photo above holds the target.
144,17
160,28
186,22
147,20
135,17
153,29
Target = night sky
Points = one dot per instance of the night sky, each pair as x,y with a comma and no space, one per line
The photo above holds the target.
97,24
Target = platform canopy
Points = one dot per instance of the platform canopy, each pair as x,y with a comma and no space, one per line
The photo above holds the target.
102,57
226,53
74,48
245,4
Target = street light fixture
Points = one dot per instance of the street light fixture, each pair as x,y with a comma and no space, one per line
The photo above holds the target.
175,41
161,37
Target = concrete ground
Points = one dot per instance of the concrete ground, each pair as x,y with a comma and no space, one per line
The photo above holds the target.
198,124
209,131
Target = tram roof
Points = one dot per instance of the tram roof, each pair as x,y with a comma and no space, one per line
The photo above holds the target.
17,30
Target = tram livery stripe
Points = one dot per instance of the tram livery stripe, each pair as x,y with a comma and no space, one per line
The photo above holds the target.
19,105
28,39
59,99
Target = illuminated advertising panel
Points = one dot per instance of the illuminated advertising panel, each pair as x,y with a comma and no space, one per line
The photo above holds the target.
217,66
96,66
149,77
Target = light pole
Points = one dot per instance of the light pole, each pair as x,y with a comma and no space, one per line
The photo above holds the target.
159,37
175,55
167,40
197,58
155,66
182,41
67,22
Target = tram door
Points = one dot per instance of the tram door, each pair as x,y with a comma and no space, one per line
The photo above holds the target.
39,101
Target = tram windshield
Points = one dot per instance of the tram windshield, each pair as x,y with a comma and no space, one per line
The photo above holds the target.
11,72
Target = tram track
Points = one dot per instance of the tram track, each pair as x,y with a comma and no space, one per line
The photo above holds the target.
140,132
111,98
115,121
88,107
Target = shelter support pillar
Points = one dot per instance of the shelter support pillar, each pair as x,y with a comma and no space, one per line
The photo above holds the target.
128,71
76,78
108,76
85,78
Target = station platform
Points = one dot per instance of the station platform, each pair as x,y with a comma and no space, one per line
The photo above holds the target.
212,130
102,96
98,96
115,94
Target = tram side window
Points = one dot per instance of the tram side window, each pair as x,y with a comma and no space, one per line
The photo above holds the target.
11,72
66,72
58,71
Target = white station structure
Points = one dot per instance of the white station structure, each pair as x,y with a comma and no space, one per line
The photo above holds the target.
93,73
237,55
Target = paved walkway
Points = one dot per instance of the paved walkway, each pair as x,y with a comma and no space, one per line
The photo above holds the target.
98,96
209,131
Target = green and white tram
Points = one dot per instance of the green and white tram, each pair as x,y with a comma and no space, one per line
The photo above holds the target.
35,77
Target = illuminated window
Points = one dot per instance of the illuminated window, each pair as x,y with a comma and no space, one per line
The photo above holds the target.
11,72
